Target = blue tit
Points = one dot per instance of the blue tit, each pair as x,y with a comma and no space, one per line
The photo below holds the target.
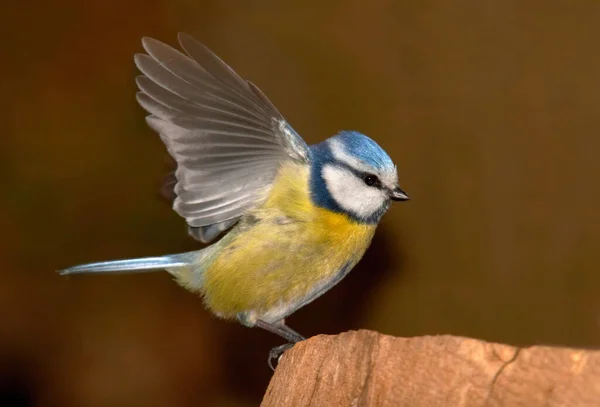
299,217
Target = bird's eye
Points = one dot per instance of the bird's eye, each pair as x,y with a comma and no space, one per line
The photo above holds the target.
370,179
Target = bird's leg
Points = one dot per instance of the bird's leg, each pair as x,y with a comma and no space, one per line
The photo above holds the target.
281,329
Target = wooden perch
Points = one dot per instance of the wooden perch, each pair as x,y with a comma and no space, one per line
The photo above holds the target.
365,368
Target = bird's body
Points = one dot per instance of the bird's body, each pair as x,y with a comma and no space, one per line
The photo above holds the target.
279,256
299,217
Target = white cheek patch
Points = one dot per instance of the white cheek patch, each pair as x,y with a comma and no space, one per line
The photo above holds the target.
351,193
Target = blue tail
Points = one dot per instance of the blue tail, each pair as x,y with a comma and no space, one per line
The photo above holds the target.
134,265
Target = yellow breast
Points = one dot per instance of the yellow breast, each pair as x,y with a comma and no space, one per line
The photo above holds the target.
282,251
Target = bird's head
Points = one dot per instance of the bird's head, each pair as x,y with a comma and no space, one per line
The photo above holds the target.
351,174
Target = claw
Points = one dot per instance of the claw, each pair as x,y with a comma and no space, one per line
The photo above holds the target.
277,352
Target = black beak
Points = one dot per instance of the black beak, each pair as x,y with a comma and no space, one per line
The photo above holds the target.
397,194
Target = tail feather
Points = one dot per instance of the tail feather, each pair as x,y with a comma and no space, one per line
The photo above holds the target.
141,265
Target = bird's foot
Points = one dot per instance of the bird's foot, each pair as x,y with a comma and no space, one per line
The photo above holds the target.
277,352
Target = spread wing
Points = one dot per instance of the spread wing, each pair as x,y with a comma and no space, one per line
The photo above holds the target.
227,138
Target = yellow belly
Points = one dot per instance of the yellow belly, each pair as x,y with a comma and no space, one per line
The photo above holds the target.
282,253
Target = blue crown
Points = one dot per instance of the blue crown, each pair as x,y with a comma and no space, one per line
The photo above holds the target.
365,149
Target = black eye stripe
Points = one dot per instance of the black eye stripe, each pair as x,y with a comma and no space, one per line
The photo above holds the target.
362,175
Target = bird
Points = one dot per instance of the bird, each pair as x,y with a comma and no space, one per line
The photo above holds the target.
294,219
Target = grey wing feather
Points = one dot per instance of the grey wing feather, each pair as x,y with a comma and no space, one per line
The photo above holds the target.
227,138
205,234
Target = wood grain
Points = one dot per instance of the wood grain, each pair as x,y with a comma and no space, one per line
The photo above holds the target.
365,368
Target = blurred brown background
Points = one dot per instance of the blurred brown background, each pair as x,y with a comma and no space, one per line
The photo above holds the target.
490,108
